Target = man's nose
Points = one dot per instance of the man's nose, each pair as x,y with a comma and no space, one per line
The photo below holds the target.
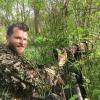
22,41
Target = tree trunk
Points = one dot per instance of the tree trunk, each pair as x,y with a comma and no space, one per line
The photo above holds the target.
37,21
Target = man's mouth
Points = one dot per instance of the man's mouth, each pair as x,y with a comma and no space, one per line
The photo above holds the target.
20,46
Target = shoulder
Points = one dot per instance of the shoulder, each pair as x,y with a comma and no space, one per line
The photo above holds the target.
6,56
3,48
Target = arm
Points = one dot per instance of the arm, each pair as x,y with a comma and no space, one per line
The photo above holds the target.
19,75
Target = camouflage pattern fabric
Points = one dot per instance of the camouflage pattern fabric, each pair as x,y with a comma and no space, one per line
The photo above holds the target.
17,76
19,80
71,75
53,78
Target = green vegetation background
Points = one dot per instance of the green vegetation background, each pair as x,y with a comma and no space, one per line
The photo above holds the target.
56,24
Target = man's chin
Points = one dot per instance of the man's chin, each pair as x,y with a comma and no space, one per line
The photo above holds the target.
20,52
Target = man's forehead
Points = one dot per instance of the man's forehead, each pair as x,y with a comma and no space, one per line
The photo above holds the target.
16,29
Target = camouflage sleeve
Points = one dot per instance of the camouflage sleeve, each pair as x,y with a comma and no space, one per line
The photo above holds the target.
19,75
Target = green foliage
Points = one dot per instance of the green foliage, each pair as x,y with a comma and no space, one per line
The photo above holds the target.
2,35
60,27
96,93
40,40
74,97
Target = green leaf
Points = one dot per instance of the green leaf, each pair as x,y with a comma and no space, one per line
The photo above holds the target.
96,92
66,86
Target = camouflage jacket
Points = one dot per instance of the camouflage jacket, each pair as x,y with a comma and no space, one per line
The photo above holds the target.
21,79
18,76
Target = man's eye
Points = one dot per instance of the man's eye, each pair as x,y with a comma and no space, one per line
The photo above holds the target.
25,39
17,37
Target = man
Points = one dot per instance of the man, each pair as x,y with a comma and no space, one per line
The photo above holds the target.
19,79
71,76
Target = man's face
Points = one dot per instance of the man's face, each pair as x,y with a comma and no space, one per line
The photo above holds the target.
62,57
18,40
